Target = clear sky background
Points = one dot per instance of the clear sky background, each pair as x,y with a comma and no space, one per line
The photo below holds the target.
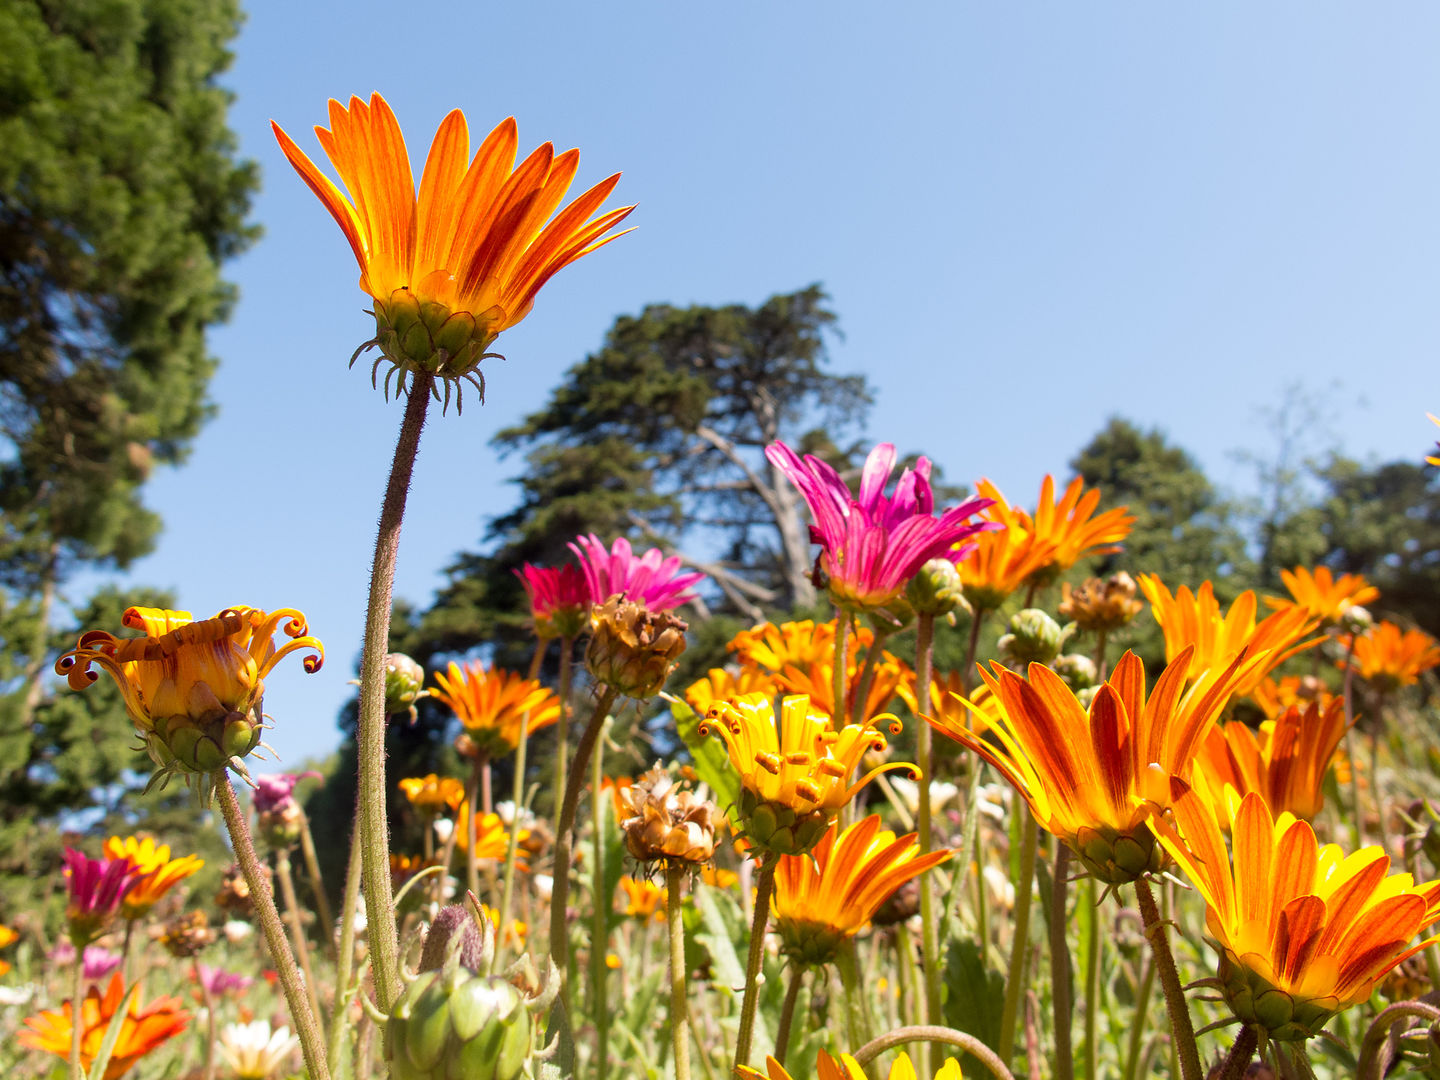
1029,218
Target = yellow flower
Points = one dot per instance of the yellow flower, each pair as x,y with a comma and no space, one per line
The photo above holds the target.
1304,931
1094,777
816,680
794,774
644,899
492,839
7,937
452,268
193,689
1285,764
492,704
720,684
1274,696
518,929
161,873
431,794
1322,594
774,648
832,893
1389,658
847,1068
1193,621
718,876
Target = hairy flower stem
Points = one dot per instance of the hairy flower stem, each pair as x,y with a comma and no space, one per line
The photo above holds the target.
1240,1054
867,677
972,647
77,1013
507,891
562,726
600,912
1100,636
1093,944
929,931
764,889
1059,968
297,930
679,1002
857,1029
370,730
787,1010
1020,942
1182,1030
210,1025
345,955
560,895
311,1044
1138,1026
312,868
472,807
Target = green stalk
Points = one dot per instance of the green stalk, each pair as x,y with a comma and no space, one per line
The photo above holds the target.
1240,1054
929,931
1182,1030
839,682
787,1010
1137,1023
867,677
345,956
311,1044
1357,816
562,726
1059,968
77,1013
1010,1009
210,1025
679,1002
472,808
1093,945
507,891
559,897
297,931
370,731
312,868
764,888
856,1025
600,913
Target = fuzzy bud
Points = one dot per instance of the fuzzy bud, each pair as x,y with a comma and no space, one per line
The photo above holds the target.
1077,669
633,650
1034,637
404,685
185,935
936,589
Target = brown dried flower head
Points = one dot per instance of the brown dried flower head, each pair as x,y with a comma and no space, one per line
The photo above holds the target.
633,649
234,895
668,821
1101,605
185,935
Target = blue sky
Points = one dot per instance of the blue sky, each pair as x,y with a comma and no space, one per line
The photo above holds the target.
1028,219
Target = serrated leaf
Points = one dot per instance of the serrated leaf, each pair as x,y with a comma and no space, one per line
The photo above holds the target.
712,762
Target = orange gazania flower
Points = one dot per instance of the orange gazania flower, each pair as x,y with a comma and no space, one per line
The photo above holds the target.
7,937
831,894
643,899
451,268
492,838
847,1068
431,794
1322,594
193,689
774,648
1093,777
889,675
1304,931
1389,658
1004,559
1072,526
144,1028
161,873
795,769
722,684
492,703
1285,764
1274,696
1193,621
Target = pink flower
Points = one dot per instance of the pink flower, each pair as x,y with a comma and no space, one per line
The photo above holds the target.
559,599
651,579
218,982
274,790
99,963
96,887
875,544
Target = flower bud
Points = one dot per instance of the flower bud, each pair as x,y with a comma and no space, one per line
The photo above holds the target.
280,826
1356,620
185,935
667,821
234,895
1101,605
936,589
1077,669
1034,637
633,650
404,685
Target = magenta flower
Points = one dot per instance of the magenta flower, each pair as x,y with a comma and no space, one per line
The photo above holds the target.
651,579
559,599
218,982
99,963
274,790
874,544
96,887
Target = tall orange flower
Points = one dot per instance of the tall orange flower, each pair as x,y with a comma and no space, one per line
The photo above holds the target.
831,894
1322,594
847,1068
1004,559
1388,658
889,674
722,684
774,648
432,794
1094,777
1305,931
451,268
1274,696
643,899
1285,764
144,1028
492,838
160,872
1194,621
1072,525
492,703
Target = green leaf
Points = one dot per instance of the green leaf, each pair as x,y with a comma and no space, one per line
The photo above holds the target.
712,762
974,998
558,1027
112,1035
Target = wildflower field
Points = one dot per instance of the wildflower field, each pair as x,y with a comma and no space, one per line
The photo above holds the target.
1124,826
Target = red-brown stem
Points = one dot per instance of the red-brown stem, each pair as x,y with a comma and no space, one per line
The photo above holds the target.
1181,1028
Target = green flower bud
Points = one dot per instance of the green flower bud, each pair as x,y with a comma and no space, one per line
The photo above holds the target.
936,589
1119,858
1034,637
404,684
1077,669
777,828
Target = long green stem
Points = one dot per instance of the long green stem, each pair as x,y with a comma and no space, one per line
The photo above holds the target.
77,1013
1181,1028
1357,816
1019,945
787,1010
856,1028
370,732
1060,964
210,1024
472,810
867,678
562,726
507,891
839,677
679,1001
312,869
931,1033
297,930
599,912
311,1044
764,888
972,646
560,893
345,953
1138,1026
929,931
1093,944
